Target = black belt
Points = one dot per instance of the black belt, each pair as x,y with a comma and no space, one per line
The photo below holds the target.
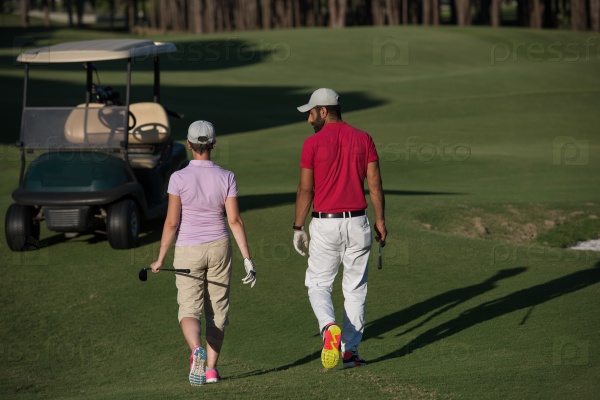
345,214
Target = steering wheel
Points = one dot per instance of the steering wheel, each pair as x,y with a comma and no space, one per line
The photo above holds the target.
107,115
132,125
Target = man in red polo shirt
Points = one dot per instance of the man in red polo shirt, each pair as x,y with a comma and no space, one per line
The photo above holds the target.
334,165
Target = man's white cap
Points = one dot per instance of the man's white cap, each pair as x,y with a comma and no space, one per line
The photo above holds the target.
201,132
321,97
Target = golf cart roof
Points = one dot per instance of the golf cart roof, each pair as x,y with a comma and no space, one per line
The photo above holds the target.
95,50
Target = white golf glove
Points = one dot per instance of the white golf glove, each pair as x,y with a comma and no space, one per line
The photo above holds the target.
250,271
300,239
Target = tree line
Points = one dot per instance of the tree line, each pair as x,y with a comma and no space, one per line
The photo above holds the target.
208,16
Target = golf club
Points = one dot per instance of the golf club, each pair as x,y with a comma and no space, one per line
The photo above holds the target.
380,258
143,275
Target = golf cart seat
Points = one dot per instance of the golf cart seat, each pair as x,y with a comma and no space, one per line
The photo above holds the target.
93,124
150,137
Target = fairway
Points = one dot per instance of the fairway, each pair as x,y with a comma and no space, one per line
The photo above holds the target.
490,157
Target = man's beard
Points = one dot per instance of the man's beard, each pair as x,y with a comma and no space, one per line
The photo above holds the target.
318,123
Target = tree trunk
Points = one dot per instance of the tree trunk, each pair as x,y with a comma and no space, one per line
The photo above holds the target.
578,15
378,13
392,12
435,16
404,12
195,16
210,16
595,15
337,13
297,13
288,20
426,12
536,13
463,11
252,15
496,13
266,15
24,14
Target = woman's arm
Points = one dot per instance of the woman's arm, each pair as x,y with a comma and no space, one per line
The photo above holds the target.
237,225
169,230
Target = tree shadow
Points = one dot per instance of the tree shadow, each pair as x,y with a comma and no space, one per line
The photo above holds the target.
151,230
258,201
231,109
518,300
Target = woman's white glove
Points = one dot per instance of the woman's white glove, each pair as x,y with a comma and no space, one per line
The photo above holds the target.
250,271
300,238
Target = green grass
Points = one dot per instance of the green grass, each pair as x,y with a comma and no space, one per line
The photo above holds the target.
452,314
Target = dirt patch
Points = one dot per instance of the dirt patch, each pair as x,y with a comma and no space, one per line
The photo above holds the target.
514,223
480,227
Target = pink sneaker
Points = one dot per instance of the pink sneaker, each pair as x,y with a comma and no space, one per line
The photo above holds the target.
197,366
212,376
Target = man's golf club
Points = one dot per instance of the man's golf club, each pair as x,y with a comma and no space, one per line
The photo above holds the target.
143,275
380,258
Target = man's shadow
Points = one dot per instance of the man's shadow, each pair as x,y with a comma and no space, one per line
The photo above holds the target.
440,304
518,300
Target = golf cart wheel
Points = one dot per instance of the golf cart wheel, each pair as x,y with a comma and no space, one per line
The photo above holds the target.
21,228
122,225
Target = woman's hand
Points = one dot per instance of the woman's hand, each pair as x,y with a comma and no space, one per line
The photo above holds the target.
156,266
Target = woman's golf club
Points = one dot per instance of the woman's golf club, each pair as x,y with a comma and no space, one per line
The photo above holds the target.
143,275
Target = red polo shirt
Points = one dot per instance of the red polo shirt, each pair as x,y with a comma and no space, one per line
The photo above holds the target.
338,155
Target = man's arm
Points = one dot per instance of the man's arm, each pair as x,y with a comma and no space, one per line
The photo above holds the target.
304,195
377,199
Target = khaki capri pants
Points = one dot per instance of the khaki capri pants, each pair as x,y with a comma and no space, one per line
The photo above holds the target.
207,284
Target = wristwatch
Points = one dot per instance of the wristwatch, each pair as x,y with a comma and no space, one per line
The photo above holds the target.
298,228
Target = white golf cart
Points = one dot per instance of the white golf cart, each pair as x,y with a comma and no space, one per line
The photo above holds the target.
101,164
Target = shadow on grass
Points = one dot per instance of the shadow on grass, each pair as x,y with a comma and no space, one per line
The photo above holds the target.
258,201
231,109
442,303
152,230
518,300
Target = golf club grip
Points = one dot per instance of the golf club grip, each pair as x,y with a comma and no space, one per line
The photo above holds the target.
185,271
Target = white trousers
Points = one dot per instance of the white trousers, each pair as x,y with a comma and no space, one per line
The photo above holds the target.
334,241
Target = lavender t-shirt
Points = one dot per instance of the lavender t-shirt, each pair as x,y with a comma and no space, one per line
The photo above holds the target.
203,187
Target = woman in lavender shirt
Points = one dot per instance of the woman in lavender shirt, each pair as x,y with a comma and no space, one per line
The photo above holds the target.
199,195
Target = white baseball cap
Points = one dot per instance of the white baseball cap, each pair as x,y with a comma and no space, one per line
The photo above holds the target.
201,132
321,97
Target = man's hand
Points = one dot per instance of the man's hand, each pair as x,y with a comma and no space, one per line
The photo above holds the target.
381,232
250,272
300,239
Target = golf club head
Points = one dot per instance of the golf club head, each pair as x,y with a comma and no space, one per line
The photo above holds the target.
143,275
